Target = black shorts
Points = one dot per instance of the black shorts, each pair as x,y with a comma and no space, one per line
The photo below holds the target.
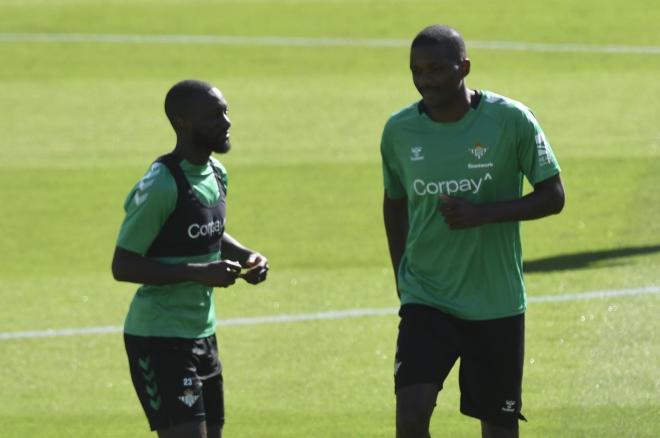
491,352
177,380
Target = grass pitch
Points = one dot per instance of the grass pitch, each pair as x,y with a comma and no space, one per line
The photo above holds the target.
80,122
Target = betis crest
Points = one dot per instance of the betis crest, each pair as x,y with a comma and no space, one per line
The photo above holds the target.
188,398
478,150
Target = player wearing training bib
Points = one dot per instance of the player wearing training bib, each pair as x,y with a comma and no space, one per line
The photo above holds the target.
173,242
184,309
453,167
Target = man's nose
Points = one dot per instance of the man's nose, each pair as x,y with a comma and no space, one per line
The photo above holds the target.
423,80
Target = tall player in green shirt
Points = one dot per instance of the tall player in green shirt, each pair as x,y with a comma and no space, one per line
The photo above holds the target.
173,242
453,166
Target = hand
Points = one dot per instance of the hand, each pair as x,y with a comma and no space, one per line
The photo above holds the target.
222,273
257,271
459,213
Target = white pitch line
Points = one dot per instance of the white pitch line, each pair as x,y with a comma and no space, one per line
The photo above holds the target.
329,315
313,42
595,294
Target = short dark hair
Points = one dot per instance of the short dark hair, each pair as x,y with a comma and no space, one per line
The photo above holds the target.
183,96
440,34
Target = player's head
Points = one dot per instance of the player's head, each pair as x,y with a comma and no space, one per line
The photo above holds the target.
439,64
198,112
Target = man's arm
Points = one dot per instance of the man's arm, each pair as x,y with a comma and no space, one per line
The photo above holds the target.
256,263
133,267
395,214
232,249
546,199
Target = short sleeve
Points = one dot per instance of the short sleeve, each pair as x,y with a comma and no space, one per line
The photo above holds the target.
535,156
391,177
147,207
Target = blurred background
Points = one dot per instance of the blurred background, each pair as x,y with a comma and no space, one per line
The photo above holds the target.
310,85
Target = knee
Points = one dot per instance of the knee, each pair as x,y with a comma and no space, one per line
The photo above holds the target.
214,430
490,430
412,420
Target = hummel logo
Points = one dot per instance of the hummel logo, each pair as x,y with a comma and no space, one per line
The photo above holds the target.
146,182
139,199
416,153
509,406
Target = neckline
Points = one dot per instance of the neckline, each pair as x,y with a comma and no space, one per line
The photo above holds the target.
198,168
475,108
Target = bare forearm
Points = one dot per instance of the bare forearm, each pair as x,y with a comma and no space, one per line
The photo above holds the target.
546,199
232,249
534,205
133,268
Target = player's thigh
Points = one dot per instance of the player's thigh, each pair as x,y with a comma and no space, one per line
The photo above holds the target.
194,429
416,402
490,375
164,375
427,347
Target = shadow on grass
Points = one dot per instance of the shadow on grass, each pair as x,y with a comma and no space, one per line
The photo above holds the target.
584,260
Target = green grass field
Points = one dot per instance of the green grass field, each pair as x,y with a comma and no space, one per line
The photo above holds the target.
81,121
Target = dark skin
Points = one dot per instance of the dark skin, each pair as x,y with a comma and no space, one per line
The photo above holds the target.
202,130
395,213
439,75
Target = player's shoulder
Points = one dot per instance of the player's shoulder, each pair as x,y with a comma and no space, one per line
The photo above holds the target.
403,116
156,185
157,178
504,108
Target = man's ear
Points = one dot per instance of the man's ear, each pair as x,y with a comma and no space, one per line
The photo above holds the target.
465,67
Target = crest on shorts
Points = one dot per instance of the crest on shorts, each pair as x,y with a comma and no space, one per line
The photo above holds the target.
478,150
188,398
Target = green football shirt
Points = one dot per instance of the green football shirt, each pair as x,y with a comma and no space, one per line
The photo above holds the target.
183,310
474,273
